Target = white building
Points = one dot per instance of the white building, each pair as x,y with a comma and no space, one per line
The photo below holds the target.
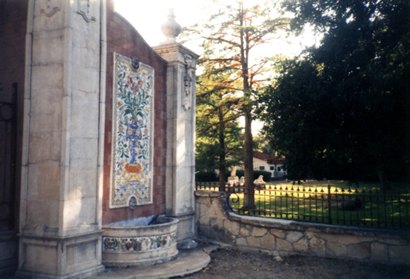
266,162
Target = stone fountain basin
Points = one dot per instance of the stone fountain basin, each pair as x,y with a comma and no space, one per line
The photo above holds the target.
140,242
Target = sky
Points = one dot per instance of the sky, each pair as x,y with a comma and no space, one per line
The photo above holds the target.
148,16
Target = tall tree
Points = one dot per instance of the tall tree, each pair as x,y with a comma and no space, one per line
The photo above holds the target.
343,109
231,37
219,136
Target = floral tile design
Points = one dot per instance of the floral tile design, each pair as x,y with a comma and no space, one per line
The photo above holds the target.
132,132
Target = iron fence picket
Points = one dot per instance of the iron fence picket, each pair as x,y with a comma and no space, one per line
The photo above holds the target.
332,205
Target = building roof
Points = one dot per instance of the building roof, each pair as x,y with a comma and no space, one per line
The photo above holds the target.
269,158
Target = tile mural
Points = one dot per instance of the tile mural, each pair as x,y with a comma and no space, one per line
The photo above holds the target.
133,113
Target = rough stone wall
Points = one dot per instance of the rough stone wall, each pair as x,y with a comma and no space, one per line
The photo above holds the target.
216,222
125,40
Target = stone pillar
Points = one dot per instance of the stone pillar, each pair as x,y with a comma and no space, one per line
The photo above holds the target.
180,168
60,214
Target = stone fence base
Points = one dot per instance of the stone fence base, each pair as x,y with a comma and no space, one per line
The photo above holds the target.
217,223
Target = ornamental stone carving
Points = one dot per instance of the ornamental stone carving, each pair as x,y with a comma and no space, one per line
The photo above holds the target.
50,9
188,82
84,7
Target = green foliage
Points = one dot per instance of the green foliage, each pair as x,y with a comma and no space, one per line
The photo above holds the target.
230,37
206,176
267,176
342,110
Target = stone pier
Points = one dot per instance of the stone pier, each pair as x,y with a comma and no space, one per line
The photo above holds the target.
60,205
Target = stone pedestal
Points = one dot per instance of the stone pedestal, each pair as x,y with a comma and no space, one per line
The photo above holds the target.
180,164
60,214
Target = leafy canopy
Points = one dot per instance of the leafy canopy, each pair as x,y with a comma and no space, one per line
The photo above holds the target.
342,109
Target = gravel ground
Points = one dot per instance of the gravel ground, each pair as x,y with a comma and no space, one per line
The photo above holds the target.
230,263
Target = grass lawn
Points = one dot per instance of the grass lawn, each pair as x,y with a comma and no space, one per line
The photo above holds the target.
315,201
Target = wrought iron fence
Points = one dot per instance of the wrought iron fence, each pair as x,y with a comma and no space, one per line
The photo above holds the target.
362,207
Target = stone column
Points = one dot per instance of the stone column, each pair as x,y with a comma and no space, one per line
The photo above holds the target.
180,177
60,214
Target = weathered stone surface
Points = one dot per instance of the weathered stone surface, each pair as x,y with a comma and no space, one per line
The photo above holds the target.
253,242
344,239
335,249
399,254
241,241
245,230
301,245
283,245
293,236
359,251
232,227
268,242
379,252
318,241
259,231
217,222
278,233
317,246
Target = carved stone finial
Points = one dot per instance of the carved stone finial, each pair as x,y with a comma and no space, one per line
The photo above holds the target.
170,28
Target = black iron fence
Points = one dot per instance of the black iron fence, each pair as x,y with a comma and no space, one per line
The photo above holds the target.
362,206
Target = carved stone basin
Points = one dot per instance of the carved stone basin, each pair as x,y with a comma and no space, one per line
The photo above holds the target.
139,242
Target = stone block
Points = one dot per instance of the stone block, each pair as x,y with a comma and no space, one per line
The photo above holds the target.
232,227
71,257
84,153
49,76
359,251
317,246
45,264
301,245
241,241
258,232
46,178
84,115
335,249
48,48
293,236
278,233
42,212
345,239
267,242
48,18
86,80
45,147
245,230
283,245
399,254
83,183
253,242
80,212
379,252
186,227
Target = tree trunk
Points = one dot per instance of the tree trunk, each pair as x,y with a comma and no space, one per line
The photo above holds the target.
222,151
249,197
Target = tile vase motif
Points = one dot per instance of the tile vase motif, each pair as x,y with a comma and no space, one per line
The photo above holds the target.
133,111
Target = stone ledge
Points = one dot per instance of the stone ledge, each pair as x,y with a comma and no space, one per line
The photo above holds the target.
217,222
300,226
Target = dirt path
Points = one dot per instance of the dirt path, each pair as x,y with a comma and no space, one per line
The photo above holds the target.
234,264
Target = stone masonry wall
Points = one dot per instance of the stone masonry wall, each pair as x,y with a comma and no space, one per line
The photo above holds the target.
217,223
